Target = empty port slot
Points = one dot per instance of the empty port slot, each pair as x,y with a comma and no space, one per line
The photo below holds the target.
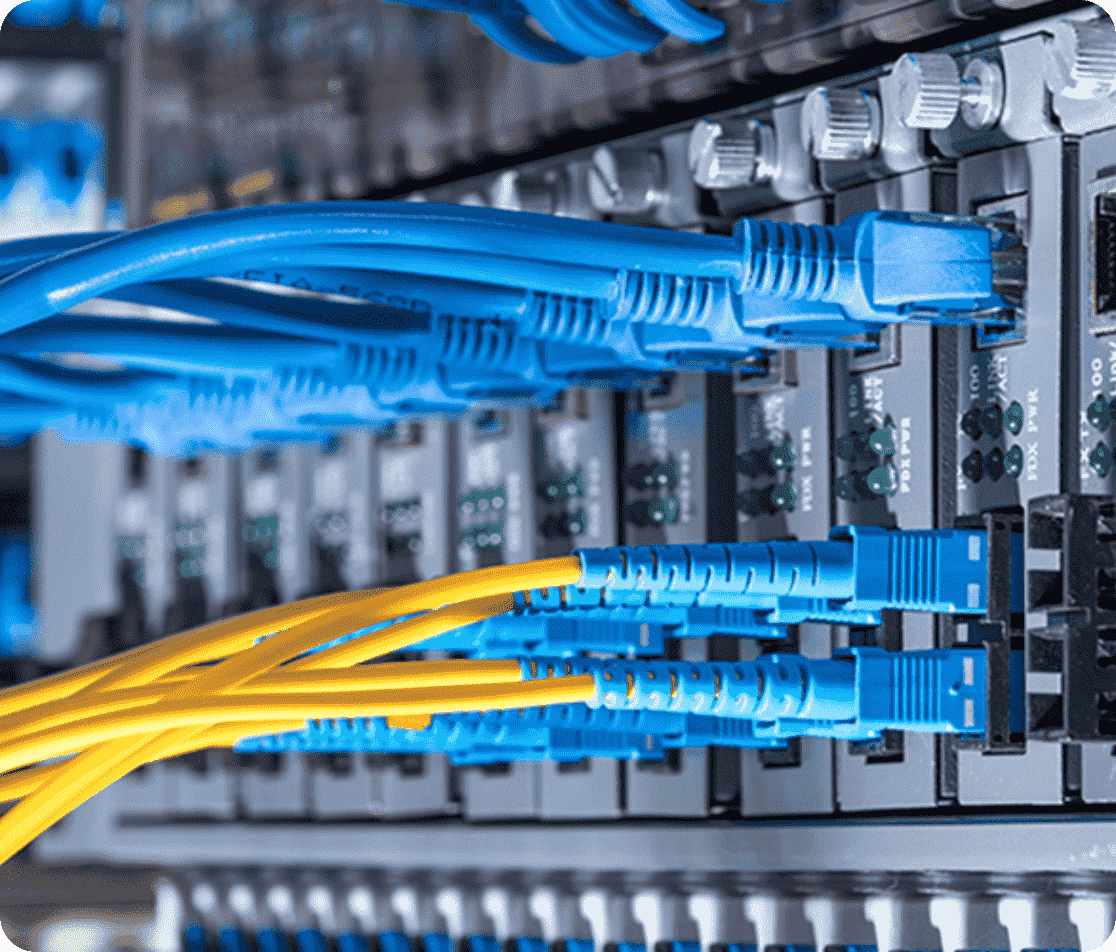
664,393
876,351
1104,263
670,764
1011,271
138,467
1044,588
572,404
776,757
192,468
489,424
409,543
404,433
332,446
768,370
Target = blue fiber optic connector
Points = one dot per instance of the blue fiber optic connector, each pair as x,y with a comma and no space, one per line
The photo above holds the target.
621,630
852,576
855,694
640,708
563,732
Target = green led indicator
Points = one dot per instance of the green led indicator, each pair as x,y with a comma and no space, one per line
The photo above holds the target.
782,455
783,496
1014,417
882,481
883,441
1099,413
1013,462
1100,458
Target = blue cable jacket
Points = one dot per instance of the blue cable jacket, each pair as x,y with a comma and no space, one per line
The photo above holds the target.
679,18
520,40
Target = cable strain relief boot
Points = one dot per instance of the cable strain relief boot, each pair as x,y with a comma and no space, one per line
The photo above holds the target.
790,261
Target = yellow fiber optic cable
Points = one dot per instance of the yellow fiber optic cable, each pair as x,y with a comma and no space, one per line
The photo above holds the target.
219,639
405,633
388,674
170,715
43,720
20,783
324,685
91,771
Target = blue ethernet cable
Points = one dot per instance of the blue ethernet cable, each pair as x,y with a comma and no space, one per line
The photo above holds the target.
42,13
580,28
876,268
664,298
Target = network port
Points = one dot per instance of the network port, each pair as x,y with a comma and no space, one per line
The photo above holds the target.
1010,215
1104,263
408,543
875,351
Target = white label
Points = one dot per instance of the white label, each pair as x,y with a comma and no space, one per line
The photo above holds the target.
968,667
974,548
974,595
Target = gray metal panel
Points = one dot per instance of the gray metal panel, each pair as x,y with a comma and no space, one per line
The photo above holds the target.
1028,181
803,789
264,794
890,389
510,795
341,506
1008,846
74,536
414,463
498,460
590,792
669,426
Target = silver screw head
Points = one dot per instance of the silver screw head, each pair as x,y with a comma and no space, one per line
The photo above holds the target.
1079,59
840,125
928,90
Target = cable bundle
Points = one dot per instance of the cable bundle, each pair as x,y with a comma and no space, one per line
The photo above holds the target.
260,673
580,28
318,317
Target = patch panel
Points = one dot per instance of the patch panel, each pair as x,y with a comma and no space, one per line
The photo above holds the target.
1095,457
911,428
794,911
1093,444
